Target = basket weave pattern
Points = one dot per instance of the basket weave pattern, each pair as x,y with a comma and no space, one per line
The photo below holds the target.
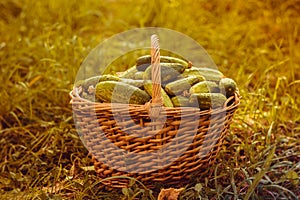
95,118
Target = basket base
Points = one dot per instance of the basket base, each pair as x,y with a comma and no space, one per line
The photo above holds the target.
167,177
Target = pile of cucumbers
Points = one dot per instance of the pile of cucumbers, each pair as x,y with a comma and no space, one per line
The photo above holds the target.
182,85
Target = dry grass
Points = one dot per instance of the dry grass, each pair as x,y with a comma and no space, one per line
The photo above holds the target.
43,43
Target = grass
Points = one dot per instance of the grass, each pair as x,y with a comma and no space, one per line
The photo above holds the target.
44,42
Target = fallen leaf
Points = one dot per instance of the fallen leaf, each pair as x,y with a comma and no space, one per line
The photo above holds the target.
293,177
169,194
88,168
54,189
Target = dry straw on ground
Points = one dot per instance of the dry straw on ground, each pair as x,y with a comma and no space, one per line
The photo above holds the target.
43,43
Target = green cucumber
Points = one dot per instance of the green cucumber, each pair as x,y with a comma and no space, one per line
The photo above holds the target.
90,97
228,87
138,75
178,86
166,99
92,81
85,84
136,83
119,92
169,72
129,73
205,87
142,67
207,100
108,77
144,61
180,101
208,73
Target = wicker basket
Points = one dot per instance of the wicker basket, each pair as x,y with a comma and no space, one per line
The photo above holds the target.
185,144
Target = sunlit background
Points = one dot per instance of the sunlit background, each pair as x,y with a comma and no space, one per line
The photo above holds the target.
43,43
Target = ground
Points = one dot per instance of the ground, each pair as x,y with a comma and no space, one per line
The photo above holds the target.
43,43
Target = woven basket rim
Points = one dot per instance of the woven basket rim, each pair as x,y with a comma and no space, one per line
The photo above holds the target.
74,94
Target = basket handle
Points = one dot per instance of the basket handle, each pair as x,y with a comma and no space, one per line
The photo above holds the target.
156,104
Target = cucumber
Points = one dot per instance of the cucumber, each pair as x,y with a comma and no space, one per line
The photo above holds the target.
90,97
79,83
142,67
169,72
207,100
210,71
207,73
92,81
144,61
108,77
205,87
228,87
178,86
119,92
129,73
136,83
166,99
138,75
85,84
180,101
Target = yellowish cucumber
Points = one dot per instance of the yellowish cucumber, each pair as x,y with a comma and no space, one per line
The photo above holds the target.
169,72
166,99
180,101
92,81
208,73
119,92
145,61
90,97
204,87
85,84
139,75
129,73
142,67
108,77
178,86
207,100
228,87
136,83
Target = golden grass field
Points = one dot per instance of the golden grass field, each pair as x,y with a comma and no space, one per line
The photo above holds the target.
43,43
